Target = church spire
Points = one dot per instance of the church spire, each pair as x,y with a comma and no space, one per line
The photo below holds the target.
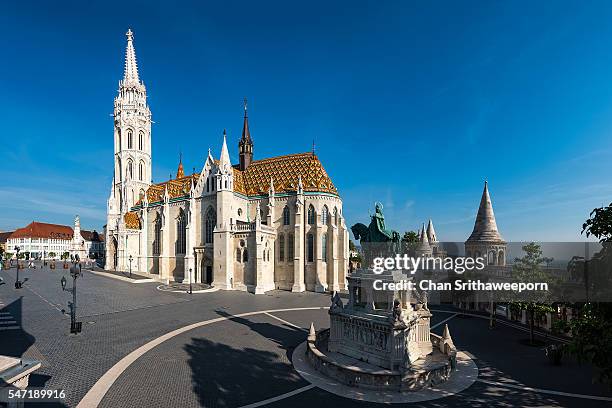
485,227
224,160
245,145
180,172
130,74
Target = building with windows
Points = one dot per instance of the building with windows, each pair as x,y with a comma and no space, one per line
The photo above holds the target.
41,239
3,237
256,225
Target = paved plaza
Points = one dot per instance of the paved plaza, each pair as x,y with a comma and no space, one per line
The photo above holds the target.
145,347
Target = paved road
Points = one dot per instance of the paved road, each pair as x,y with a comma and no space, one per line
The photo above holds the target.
237,361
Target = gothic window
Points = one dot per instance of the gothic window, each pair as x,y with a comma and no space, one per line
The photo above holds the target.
238,255
286,216
311,215
211,220
310,248
130,169
181,236
324,247
281,248
140,140
157,236
324,215
335,216
245,255
130,139
141,171
290,248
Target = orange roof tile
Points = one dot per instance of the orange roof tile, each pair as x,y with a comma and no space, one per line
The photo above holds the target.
132,221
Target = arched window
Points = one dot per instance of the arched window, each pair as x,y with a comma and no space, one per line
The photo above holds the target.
130,169
335,216
238,255
324,215
181,236
140,140
311,215
141,171
281,247
500,258
310,248
211,220
492,258
130,139
286,216
245,255
324,247
208,185
290,253
157,235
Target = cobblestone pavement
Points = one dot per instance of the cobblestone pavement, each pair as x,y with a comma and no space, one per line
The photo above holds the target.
238,361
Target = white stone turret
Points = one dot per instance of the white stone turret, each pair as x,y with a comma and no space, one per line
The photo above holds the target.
485,240
431,233
423,249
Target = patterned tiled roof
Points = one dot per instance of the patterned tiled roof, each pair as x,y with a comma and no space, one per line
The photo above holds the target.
176,188
285,172
255,180
132,221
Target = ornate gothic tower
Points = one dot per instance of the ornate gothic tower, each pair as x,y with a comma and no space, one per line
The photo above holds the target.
132,120
245,145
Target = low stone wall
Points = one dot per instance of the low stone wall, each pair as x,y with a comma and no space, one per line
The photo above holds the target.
411,380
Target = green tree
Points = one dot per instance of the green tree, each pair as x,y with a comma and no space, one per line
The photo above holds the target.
51,254
591,324
528,269
409,241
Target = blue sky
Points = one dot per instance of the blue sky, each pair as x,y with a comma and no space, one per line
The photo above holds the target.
413,104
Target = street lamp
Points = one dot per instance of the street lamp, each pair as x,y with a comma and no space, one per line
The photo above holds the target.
190,288
75,272
18,283
130,259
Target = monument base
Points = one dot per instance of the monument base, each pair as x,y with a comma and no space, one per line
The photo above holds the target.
428,371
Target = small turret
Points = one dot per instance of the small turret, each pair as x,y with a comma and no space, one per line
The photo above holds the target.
180,172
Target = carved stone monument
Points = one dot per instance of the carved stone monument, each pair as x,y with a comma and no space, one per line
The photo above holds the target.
381,338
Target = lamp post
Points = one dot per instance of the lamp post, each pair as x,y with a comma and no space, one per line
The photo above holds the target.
130,259
190,287
75,272
17,281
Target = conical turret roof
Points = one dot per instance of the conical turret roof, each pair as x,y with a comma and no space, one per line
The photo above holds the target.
485,227
431,232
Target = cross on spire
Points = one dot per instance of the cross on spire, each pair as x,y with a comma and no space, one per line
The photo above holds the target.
130,73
